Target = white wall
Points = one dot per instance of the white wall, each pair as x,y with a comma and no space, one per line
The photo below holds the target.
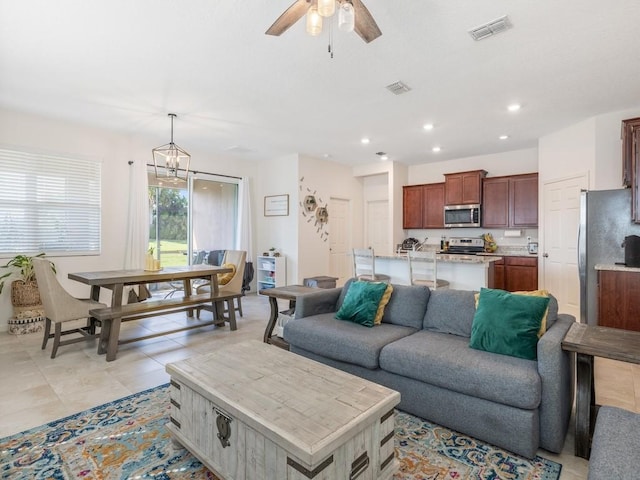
328,180
567,153
593,146
278,177
114,150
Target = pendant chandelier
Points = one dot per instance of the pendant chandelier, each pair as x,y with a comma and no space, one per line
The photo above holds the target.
172,160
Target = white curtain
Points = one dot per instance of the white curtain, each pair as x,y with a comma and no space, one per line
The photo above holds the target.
244,238
137,234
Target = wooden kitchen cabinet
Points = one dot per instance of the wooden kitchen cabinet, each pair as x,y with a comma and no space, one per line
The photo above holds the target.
464,188
520,273
618,300
515,274
423,206
495,202
510,201
412,206
433,213
498,274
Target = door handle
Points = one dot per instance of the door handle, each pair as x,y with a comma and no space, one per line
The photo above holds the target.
545,255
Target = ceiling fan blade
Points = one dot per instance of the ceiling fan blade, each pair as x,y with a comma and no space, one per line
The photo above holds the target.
290,16
366,26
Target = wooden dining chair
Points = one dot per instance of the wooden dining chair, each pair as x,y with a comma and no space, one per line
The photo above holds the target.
60,307
364,266
423,269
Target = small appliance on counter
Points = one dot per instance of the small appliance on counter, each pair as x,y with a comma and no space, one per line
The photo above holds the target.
409,244
632,251
466,245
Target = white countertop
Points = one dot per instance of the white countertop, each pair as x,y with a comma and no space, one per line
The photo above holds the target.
616,268
450,258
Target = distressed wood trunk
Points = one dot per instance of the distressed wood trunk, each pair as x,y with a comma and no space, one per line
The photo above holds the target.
254,412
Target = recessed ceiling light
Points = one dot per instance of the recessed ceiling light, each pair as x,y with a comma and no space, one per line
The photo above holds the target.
428,126
365,141
436,149
503,137
384,157
514,107
326,155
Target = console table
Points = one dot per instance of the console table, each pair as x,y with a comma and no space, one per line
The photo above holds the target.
291,293
588,342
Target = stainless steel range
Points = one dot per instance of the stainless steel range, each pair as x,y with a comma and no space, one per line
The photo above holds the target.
466,245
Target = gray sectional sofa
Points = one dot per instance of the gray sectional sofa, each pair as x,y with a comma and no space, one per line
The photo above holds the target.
421,349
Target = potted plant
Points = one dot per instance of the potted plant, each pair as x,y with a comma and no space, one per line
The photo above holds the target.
24,290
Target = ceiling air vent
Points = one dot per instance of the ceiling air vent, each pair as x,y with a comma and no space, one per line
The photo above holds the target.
398,88
493,27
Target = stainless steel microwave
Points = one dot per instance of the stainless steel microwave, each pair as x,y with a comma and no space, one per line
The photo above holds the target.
462,216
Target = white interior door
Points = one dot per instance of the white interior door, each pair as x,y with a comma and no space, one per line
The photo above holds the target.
378,226
339,239
560,241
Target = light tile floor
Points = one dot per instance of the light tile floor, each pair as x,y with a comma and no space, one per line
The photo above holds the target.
37,389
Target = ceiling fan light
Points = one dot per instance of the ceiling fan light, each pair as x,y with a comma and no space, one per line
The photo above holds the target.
314,22
346,17
326,8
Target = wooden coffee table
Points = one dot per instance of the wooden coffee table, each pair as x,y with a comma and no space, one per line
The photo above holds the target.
589,341
256,412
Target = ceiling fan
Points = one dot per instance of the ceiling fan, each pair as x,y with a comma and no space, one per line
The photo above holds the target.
352,10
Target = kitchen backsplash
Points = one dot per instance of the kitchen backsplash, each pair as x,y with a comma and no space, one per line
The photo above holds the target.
506,243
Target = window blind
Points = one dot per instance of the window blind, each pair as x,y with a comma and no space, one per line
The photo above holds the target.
49,203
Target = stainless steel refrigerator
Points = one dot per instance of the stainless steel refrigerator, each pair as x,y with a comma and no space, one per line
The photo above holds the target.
605,220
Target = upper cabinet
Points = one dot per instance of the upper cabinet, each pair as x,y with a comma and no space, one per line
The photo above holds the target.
510,202
423,206
463,188
433,215
631,162
412,206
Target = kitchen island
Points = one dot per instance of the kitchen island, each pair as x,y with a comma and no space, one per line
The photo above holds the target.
463,272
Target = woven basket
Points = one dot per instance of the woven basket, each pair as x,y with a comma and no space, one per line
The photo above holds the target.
24,294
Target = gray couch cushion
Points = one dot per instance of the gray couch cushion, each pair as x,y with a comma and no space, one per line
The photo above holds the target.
447,361
552,316
407,305
615,447
341,340
451,311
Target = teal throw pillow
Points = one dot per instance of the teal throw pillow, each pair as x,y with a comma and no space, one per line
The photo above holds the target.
508,323
361,302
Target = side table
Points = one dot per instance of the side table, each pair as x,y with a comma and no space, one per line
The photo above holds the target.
291,293
588,342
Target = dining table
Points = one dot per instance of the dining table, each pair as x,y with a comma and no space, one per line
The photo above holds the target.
116,280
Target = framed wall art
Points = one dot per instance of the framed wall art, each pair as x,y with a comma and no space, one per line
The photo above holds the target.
276,205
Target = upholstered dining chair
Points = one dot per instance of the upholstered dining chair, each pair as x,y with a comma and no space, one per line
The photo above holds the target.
238,258
60,307
364,266
423,269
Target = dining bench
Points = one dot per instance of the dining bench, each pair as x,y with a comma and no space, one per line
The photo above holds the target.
111,317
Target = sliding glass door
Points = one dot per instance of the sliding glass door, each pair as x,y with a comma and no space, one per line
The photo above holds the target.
214,215
190,222
169,228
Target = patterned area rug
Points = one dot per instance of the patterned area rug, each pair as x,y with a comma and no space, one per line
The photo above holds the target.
126,439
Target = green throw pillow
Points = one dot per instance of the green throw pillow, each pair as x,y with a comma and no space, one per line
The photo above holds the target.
361,302
507,323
